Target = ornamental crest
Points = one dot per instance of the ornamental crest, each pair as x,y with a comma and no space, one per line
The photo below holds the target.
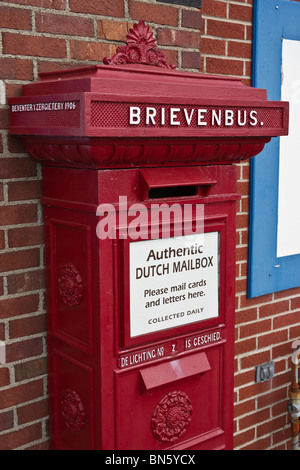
171,417
72,410
141,49
70,285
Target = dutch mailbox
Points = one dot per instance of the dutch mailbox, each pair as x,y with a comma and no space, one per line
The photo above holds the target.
139,196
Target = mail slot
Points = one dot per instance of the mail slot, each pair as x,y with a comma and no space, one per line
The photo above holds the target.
139,198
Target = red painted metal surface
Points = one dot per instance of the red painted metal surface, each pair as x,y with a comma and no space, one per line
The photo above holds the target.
121,377
138,115
108,389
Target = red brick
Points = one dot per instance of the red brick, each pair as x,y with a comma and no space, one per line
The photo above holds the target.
2,331
258,327
241,253
19,306
105,7
287,293
30,369
91,50
240,49
243,437
38,409
224,66
25,236
259,444
255,359
24,349
19,259
244,407
171,56
23,282
16,69
225,29
246,303
153,13
21,394
40,446
280,350
295,303
14,144
13,440
241,316
287,320
241,285
18,214
113,30
240,12
190,60
15,18
191,19
273,396
241,347
39,46
64,24
295,332
17,167
281,379
21,190
24,327
272,338
6,420
214,8
4,376
254,418
273,309
4,118
1,286
53,4
213,46
174,37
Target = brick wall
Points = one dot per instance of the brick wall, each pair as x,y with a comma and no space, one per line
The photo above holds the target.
43,35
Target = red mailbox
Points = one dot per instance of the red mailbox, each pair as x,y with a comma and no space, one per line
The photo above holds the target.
139,195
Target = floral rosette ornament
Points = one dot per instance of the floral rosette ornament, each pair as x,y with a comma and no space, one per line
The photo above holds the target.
72,410
171,417
141,49
70,285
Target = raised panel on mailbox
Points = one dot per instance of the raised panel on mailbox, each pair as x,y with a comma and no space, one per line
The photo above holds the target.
177,412
71,281
167,297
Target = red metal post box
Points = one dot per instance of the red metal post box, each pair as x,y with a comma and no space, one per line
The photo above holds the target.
139,195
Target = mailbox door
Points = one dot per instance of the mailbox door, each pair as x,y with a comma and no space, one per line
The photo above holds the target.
173,331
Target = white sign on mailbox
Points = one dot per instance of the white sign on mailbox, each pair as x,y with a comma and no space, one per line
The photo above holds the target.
173,282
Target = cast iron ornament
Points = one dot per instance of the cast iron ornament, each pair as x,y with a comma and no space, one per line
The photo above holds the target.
171,417
141,49
72,410
70,285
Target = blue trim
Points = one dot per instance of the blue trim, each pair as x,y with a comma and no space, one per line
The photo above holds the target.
266,272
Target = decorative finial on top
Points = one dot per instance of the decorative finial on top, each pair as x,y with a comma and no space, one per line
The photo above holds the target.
141,49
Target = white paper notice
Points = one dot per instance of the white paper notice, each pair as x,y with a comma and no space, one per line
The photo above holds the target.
288,242
173,282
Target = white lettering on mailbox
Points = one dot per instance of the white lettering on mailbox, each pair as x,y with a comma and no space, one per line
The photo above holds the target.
51,106
222,117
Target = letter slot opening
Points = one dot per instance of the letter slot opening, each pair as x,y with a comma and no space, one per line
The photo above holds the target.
172,191
158,183
168,372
